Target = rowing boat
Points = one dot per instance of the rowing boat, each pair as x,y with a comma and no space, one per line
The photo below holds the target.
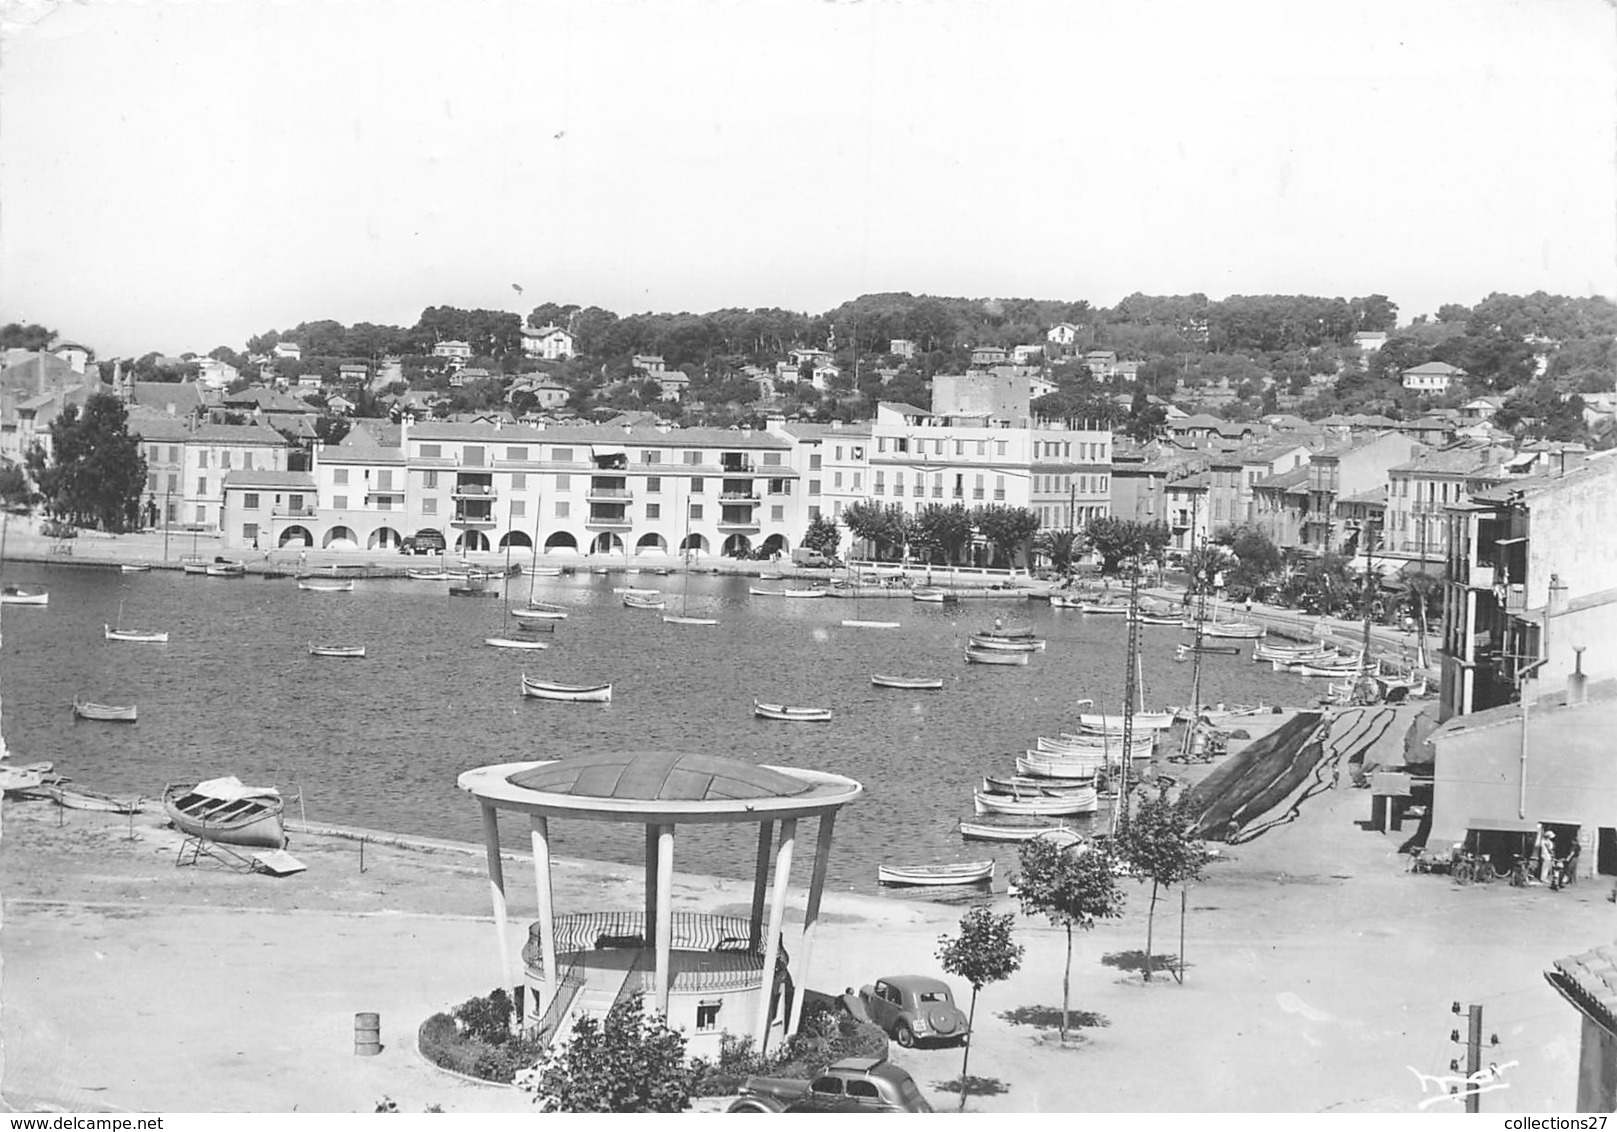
1000,633
572,693
788,714
634,590
932,594
911,683
514,643
1042,764
427,575
225,568
542,571
540,612
1148,720
962,872
854,623
77,798
636,601
1019,785
112,634
1103,607
110,713
18,595
324,587
1017,831
1241,630
990,656
224,810
347,651
755,591
1077,802
134,567
672,619
1006,644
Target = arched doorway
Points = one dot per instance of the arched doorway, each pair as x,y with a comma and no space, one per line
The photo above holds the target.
775,544
695,544
295,536
606,543
655,544
516,540
428,541
340,538
737,546
383,538
471,542
561,540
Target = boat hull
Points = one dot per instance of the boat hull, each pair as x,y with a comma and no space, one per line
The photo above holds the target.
913,684
989,656
514,643
346,652
1079,802
252,822
112,634
570,693
787,714
1080,769
106,713
966,872
13,596
328,587
671,620
1007,644
1145,720
989,831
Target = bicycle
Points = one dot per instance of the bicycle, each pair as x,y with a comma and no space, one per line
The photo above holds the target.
1520,876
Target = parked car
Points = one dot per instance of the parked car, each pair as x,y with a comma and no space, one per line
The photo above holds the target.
854,1084
911,1008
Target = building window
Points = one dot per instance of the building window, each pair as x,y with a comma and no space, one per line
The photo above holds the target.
857,476
472,455
173,455
384,503
982,448
707,1014
519,481
429,506
340,502
202,458
519,508
649,457
249,501
562,455
693,458
901,444
339,475
202,513
654,511
562,507
429,480
247,461
151,482
839,453
249,533
224,459
960,448
780,487
814,487
174,481
654,485
696,485
836,479
202,485
881,444
564,483
777,514
696,511
814,512
772,459
858,452
516,453
999,447
432,451
814,462
384,479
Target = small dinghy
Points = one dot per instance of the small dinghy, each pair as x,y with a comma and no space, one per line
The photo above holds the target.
151,636
515,643
110,713
326,585
352,652
963,872
910,683
994,656
22,595
791,714
574,693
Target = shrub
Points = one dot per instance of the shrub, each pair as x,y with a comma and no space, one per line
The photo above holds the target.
476,1039
825,1035
444,1045
486,1019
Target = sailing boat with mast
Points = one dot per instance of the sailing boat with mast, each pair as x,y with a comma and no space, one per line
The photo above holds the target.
505,640
151,636
533,569
682,618
855,622
538,612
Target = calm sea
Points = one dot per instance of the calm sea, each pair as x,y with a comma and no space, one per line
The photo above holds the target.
379,742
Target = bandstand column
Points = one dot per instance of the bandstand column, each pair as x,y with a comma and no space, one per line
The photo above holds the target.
651,884
539,832
760,880
811,914
665,911
777,911
496,881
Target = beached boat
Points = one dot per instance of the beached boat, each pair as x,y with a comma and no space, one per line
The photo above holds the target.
1097,742
78,798
911,683
1038,764
134,568
933,594
347,651
111,713
225,568
223,810
573,693
151,636
1078,802
961,872
20,595
992,656
1147,720
1239,630
1017,831
791,714
1006,644
637,601
324,586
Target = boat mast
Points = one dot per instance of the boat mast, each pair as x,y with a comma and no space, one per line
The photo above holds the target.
538,510
1196,654
1131,688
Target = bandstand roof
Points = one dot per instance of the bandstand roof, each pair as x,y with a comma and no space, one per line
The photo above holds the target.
659,785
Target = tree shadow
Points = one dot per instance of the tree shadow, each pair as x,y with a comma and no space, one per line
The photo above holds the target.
1135,961
975,1086
1049,1018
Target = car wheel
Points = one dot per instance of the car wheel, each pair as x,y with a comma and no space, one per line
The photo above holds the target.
904,1035
747,1106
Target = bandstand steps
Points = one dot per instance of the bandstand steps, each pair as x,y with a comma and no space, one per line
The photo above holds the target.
602,986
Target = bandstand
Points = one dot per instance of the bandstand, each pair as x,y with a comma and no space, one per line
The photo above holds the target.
706,973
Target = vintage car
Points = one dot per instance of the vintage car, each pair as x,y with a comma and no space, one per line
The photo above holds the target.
854,1084
911,1008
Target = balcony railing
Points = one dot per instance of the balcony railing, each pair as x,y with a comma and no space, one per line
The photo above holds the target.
738,523
472,491
292,512
609,495
369,491
465,520
739,467
616,522
1516,596
976,493
999,494
738,497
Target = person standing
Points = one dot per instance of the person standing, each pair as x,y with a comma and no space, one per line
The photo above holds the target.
1546,856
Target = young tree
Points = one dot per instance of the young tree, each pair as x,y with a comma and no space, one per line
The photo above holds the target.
983,953
1159,844
1073,887
1124,544
822,535
626,1063
946,530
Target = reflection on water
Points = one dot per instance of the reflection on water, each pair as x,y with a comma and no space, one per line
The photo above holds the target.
379,742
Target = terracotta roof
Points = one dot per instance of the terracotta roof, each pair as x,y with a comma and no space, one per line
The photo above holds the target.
658,776
1589,981
1286,479
269,479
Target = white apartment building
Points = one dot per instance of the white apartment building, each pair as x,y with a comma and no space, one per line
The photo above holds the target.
186,466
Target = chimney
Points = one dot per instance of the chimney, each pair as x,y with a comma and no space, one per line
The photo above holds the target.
1577,684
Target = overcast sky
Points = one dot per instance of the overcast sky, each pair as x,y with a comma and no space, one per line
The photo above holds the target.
180,175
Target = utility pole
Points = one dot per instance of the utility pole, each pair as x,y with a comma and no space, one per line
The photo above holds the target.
166,523
1472,1094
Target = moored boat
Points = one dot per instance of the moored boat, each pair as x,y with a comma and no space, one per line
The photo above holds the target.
993,656
1007,644
853,623
1334,672
912,683
1148,720
110,713
542,571
673,619
352,652
428,575
540,612
637,601
24,595
1083,768
1097,742
191,564
789,714
1103,607
1077,802
1240,630
933,594
811,592
1146,618
224,810
134,567
151,636
1016,831
324,586
225,568
573,693
1000,633
636,591
514,643
961,872
1038,786
1185,652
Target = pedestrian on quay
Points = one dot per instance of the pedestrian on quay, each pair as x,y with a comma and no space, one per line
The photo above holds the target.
1546,856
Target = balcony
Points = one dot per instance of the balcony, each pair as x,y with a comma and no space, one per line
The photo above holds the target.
737,467
999,495
738,523
608,495
976,493
472,520
616,522
292,512
748,497
473,491
1515,597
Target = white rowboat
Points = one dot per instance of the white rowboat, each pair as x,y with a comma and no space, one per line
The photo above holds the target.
965,872
112,634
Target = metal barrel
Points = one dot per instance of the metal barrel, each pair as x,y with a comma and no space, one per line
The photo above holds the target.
367,1034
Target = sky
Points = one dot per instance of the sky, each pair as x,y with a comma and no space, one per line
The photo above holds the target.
181,174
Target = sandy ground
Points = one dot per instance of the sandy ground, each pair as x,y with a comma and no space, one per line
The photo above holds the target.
1319,976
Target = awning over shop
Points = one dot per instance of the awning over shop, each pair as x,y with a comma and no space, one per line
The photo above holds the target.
1502,825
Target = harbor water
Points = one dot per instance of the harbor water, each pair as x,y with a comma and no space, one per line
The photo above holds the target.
378,742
